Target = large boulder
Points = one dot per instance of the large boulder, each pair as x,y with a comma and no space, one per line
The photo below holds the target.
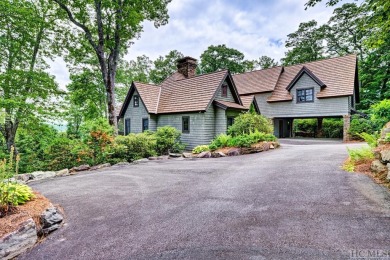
188,155
234,152
100,166
84,167
378,167
24,177
174,155
385,156
61,173
51,220
204,155
17,242
42,175
385,130
217,154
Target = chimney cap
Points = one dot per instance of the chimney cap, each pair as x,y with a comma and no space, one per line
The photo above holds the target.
187,59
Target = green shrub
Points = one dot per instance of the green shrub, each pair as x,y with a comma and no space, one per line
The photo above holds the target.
372,140
380,113
307,126
360,125
220,141
168,140
333,128
11,194
247,123
200,149
360,154
62,153
17,194
100,124
133,147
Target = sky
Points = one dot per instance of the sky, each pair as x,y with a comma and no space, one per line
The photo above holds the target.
254,27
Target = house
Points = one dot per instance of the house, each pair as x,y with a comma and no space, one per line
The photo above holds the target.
203,106
200,106
321,89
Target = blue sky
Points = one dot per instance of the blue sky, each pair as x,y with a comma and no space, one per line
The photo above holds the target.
254,27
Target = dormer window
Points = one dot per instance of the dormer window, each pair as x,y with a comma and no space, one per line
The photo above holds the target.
224,90
136,101
305,95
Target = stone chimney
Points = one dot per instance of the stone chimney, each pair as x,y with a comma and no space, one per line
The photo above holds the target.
187,67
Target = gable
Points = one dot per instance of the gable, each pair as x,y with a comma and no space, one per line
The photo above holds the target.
307,72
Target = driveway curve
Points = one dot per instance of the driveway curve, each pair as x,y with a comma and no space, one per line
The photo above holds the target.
289,203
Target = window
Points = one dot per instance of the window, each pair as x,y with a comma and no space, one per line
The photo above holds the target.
305,95
224,90
127,126
145,124
230,121
185,126
136,101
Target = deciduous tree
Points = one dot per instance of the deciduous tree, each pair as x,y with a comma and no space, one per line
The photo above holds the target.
104,29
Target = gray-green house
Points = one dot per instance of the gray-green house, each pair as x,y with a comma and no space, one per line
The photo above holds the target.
200,106
321,89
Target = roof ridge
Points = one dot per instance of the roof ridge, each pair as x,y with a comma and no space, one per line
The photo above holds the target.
206,74
149,84
324,59
247,72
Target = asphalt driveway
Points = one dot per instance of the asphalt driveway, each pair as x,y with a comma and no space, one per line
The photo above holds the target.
290,203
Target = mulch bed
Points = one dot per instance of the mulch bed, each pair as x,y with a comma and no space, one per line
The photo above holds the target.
32,209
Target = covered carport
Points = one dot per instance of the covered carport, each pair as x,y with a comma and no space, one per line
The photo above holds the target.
283,126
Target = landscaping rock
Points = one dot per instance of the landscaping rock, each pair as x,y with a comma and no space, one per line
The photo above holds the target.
51,220
204,155
234,152
141,160
271,146
266,146
122,164
100,166
42,175
174,155
61,173
388,172
153,158
84,167
217,154
378,167
385,156
385,130
188,155
17,242
24,177
163,157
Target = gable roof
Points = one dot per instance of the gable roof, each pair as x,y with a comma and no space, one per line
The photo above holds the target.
226,104
306,71
247,101
257,81
338,74
178,94
189,95
337,77
149,96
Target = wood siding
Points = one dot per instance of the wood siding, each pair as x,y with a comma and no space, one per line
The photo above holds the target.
220,121
337,106
136,114
201,126
229,97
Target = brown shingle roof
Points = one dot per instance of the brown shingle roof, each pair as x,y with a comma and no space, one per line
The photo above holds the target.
227,104
247,100
257,81
149,95
188,95
338,74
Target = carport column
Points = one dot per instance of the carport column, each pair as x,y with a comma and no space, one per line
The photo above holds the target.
319,127
347,124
